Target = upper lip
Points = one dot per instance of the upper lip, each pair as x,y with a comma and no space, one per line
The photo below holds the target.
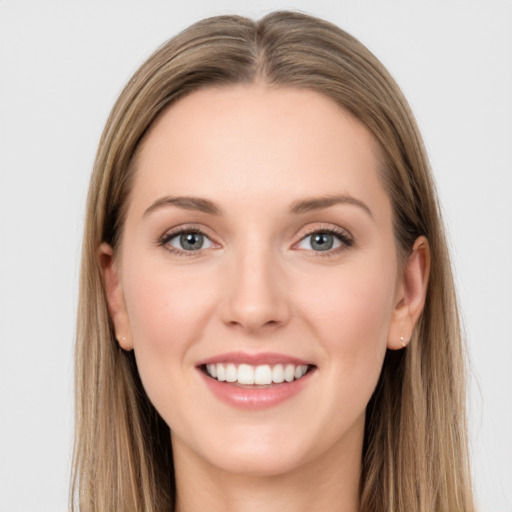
269,358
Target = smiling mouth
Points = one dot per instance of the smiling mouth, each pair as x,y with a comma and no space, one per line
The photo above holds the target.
260,375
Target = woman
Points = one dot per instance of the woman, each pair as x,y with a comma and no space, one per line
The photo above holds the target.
267,316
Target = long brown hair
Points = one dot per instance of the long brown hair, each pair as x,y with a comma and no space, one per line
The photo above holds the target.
415,456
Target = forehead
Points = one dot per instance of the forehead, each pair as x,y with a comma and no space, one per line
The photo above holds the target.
248,140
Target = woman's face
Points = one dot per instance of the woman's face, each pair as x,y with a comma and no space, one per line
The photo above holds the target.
258,245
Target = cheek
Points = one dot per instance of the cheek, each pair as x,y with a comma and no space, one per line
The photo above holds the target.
168,313
354,306
165,308
351,318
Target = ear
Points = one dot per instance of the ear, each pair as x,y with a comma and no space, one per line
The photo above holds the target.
115,296
410,295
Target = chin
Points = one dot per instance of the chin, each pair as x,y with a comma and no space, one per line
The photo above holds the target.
259,461
251,451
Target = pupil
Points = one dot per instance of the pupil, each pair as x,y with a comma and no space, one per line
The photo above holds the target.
191,241
322,242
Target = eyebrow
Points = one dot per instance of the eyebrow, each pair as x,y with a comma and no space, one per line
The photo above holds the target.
318,203
187,203
297,207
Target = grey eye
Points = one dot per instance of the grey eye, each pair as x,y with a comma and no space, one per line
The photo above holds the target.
320,241
190,241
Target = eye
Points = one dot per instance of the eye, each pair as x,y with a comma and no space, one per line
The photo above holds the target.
325,240
186,241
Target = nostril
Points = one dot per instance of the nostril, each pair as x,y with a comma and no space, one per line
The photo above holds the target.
254,323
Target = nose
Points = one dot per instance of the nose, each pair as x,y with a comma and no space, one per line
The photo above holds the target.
256,299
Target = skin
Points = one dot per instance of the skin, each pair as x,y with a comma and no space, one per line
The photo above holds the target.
258,285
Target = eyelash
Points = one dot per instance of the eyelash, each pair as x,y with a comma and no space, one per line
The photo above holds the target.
344,238
167,237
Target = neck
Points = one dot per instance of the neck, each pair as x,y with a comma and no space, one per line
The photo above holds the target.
328,483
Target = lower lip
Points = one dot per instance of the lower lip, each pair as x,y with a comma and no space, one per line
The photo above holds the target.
255,397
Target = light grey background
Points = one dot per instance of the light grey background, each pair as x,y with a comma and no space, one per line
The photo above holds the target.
62,64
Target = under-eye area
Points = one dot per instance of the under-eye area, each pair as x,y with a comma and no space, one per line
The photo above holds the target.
256,375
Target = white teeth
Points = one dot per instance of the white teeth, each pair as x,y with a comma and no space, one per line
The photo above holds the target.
289,373
245,374
278,373
261,375
300,371
231,373
212,370
221,373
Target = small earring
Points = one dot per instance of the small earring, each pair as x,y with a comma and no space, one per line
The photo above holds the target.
402,340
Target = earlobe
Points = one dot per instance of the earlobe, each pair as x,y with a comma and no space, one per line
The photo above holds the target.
413,292
115,297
